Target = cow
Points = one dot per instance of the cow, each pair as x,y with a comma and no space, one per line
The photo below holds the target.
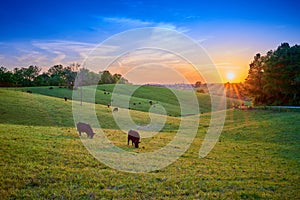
116,110
66,99
29,91
86,128
134,136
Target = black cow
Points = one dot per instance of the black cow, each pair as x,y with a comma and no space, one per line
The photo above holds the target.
66,99
86,128
134,136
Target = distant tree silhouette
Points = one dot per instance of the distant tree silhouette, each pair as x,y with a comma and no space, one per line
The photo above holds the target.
197,84
107,78
58,75
6,78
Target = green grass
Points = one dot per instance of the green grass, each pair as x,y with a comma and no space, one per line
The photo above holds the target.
140,98
42,157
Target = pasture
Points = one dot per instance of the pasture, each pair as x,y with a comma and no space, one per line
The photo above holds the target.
42,156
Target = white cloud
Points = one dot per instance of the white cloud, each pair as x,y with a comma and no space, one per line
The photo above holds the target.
172,27
44,53
137,23
127,21
63,52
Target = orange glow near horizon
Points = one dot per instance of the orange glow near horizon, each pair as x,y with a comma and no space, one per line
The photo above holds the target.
157,66
191,75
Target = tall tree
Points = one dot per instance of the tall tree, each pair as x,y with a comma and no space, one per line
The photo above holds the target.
42,80
254,81
29,74
6,77
274,79
106,77
86,77
281,75
56,75
70,74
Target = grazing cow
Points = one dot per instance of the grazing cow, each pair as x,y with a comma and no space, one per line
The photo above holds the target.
65,98
116,110
108,105
134,136
134,104
86,128
150,102
50,88
29,91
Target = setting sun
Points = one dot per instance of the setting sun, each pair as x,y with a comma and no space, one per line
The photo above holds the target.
230,76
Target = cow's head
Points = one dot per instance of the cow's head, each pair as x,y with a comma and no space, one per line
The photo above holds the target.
92,135
136,144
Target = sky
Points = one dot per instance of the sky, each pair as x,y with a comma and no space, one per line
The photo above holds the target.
46,33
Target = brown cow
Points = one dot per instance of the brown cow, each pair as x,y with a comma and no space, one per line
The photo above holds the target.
134,136
86,128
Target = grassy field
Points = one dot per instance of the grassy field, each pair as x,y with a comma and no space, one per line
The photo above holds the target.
42,156
140,98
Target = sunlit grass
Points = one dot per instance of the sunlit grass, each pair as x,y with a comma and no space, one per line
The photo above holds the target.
139,99
42,156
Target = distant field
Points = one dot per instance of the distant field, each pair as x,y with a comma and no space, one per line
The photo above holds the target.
42,156
139,100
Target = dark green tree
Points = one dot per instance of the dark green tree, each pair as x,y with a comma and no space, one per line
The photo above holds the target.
56,74
106,77
42,80
70,74
87,77
274,79
6,77
282,75
254,82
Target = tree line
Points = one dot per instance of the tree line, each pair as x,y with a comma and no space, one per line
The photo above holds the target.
58,75
274,78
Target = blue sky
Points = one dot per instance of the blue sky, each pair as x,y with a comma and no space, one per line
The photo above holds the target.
45,33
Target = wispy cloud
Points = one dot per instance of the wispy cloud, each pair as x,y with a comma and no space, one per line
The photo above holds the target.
44,53
58,47
127,21
138,23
